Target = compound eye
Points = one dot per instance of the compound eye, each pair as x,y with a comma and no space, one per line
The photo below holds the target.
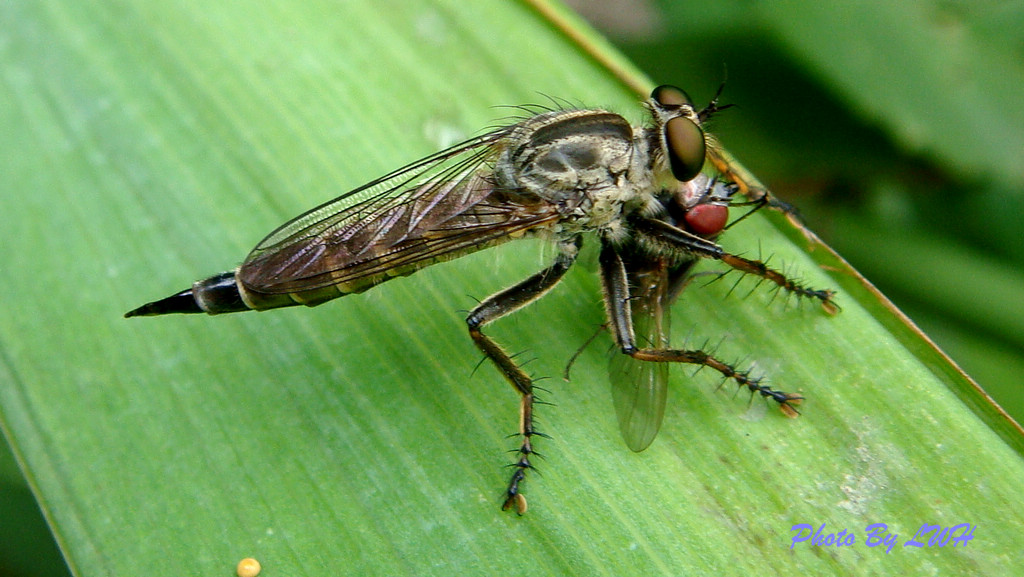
671,97
686,148
707,219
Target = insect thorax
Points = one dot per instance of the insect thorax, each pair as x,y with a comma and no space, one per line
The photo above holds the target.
586,162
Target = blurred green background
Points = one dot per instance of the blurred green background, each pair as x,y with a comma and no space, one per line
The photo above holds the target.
896,127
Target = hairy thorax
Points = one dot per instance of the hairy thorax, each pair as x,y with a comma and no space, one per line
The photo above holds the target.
589,163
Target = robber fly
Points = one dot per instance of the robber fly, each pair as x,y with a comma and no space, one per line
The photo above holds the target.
654,196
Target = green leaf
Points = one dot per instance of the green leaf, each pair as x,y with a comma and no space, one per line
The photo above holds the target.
150,144
942,79
943,68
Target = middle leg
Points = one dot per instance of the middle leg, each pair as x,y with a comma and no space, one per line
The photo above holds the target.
615,282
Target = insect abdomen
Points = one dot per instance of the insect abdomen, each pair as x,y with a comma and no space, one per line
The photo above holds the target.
224,293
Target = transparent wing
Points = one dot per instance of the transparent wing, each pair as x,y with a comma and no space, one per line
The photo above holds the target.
437,208
639,388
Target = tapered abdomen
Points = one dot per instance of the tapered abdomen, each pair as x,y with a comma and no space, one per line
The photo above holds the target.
228,293
214,295
223,293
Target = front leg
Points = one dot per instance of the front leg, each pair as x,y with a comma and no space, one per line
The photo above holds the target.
495,307
661,238
748,185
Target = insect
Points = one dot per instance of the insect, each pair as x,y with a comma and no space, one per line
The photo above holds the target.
654,196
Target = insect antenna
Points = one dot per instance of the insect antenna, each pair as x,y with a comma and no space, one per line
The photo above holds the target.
713,108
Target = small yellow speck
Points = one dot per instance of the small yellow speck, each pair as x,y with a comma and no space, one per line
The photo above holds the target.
248,567
521,503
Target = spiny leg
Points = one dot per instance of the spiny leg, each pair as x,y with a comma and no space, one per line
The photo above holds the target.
616,296
495,307
659,237
786,401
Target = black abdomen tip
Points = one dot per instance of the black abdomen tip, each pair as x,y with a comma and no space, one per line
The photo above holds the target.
215,295
183,302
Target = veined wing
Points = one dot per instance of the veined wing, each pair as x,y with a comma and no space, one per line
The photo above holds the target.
437,208
639,388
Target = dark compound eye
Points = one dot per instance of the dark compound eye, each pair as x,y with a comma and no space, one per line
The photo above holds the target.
686,148
707,219
671,97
